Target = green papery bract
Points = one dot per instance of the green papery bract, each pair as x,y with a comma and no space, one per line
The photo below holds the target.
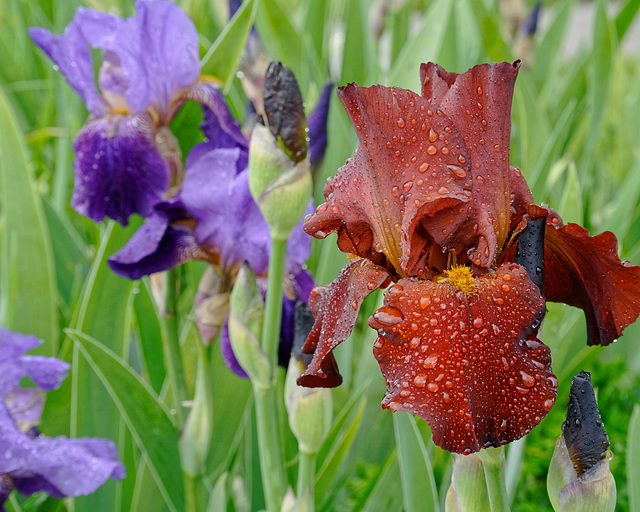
280,187
468,490
245,327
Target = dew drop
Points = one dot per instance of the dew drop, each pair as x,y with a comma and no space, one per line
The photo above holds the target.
433,135
432,150
548,404
522,391
372,285
388,315
423,167
432,387
445,397
527,379
443,190
430,362
479,91
458,171
477,322
425,300
420,380
407,186
400,123
503,425
415,342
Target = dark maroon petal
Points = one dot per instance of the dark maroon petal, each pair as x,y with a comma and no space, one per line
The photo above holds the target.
478,103
410,164
119,169
335,307
470,365
164,241
586,272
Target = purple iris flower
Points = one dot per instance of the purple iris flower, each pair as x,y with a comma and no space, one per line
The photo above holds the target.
126,156
30,462
214,218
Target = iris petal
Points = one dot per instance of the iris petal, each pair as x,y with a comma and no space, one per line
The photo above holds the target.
335,308
470,365
119,170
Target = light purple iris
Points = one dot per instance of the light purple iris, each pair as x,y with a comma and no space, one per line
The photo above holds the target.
125,153
30,462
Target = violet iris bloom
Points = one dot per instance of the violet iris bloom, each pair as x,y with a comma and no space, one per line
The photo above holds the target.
126,156
214,218
30,462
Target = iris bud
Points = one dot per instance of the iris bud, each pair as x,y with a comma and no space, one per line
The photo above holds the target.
310,409
245,327
468,490
279,169
195,439
579,477
211,304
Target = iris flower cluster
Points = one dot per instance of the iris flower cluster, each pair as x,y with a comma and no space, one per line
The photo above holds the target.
29,461
430,205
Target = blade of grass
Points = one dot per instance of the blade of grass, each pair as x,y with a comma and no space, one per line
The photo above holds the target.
633,461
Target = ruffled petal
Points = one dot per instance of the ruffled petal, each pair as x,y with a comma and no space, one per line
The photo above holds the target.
71,53
229,221
119,169
410,164
586,272
478,103
164,241
335,308
470,365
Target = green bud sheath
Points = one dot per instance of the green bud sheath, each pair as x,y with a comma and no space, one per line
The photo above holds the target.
195,439
468,491
245,327
280,186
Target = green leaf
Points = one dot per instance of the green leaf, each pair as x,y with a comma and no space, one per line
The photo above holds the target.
278,35
358,47
625,17
218,499
382,493
624,203
221,60
145,415
27,286
633,461
419,489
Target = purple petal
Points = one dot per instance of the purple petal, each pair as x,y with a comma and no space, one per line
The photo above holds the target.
157,50
119,169
164,241
228,356
70,52
25,407
229,221
219,126
318,127
298,245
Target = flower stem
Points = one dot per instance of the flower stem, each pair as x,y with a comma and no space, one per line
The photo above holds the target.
271,465
171,342
306,479
493,465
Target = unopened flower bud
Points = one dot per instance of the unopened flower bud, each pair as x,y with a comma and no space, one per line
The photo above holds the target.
195,439
579,478
310,409
279,169
211,304
245,327
468,490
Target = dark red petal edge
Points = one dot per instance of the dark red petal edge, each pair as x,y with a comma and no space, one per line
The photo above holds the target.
586,272
471,366
335,307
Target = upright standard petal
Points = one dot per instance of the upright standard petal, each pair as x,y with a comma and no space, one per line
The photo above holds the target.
335,308
469,364
119,169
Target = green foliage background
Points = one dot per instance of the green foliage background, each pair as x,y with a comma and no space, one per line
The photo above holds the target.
576,121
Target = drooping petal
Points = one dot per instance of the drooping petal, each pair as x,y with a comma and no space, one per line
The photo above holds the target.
164,241
586,272
71,53
411,164
335,308
229,221
119,169
478,103
470,365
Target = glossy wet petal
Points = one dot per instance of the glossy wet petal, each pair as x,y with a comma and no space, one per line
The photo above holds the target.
410,164
119,169
470,365
164,241
586,272
478,103
335,307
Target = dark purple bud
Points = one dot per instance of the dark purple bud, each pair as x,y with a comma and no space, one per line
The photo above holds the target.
532,23
284,109
584,435
318,128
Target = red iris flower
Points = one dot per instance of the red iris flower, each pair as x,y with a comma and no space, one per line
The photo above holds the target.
430,202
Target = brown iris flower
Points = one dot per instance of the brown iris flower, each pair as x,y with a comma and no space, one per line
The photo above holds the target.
430,203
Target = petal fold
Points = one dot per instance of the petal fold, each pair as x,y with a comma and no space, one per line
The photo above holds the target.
470,365
335,307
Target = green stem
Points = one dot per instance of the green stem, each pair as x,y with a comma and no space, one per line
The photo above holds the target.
171,342
306,479
493,465
273,305
271,466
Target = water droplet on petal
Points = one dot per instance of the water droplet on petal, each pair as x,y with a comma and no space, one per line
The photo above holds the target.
423,167
432,150
503,425
477,322
458,171
420,380
400,123
425,300
548,404
430,362
527,379
433,135
388,315
432,387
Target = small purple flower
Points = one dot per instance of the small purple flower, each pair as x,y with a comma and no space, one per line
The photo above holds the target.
30,462
126,157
